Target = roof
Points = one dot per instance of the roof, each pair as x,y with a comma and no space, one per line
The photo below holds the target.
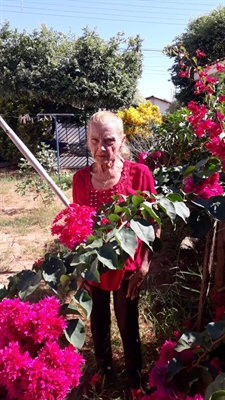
157,98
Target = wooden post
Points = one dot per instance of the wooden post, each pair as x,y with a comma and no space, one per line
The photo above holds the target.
206,274
220,257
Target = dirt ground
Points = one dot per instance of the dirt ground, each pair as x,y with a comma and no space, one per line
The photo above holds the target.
24,233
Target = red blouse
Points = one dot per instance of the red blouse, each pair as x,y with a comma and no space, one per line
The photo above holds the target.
133,177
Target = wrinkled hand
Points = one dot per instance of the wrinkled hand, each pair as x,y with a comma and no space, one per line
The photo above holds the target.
135,281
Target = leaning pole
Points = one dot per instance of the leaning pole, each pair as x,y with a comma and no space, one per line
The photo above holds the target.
33,161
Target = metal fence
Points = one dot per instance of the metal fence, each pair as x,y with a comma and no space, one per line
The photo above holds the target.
72,144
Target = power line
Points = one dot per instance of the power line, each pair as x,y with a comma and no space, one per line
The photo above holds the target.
95,18
26,11
96,8
105,3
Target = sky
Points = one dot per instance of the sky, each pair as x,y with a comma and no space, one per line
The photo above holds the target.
157,23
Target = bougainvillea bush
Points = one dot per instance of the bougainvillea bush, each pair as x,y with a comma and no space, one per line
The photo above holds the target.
33,362
94,242
192,366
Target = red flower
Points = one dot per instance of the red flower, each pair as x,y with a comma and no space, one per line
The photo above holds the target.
220,68
221,99
200,53
76,225
207,188
184,74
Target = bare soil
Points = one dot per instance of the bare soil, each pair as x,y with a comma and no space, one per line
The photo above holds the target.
24,232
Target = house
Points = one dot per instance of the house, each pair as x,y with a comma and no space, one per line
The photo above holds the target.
161,103
213,70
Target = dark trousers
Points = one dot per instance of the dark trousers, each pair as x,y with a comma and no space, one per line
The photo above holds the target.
126,312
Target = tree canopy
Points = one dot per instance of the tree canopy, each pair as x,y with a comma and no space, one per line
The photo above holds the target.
46,71
205,33
82,72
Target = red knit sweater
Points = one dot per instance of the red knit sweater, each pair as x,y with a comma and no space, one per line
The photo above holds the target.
133,177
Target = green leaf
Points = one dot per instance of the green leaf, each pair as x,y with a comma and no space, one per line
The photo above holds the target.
75,333
218,395
92,276
216,389
137,200
67,309
200,223
108,256
95,244
127,240
200,163
84,257
175,365
114,217
215,206
182,210
189,340
3,291
168,208
84,300
148,206
52,269
216,329
28,282
188,171
174,197
143,230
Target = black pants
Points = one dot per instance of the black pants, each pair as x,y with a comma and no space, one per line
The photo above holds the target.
126,312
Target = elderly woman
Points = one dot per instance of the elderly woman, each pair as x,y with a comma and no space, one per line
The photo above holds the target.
111,174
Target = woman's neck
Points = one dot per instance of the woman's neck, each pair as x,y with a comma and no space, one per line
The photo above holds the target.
111,166
107,175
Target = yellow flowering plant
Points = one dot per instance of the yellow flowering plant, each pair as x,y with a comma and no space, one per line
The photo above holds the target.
139,120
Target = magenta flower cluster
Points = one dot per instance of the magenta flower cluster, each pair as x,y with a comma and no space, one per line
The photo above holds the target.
73,225
208,122
158,376
205,189
32,364
150,159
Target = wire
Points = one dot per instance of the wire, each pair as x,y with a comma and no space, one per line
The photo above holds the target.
99,8
96,18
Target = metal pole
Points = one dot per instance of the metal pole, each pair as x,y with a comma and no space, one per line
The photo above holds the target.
33,161
57,145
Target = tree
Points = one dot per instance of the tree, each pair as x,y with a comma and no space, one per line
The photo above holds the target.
205,33
48,71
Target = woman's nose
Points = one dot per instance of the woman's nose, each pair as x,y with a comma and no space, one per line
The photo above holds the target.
103,147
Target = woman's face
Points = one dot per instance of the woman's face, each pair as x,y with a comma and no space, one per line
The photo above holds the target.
104,142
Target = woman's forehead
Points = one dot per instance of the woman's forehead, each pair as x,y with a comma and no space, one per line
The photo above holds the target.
106,129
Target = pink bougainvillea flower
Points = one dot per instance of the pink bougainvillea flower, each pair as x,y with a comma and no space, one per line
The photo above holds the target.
167,352
207,188
73,225
32,364
184,74
142,159
156,154
37,263
220,67
221,99
217,147
220,313
200,53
